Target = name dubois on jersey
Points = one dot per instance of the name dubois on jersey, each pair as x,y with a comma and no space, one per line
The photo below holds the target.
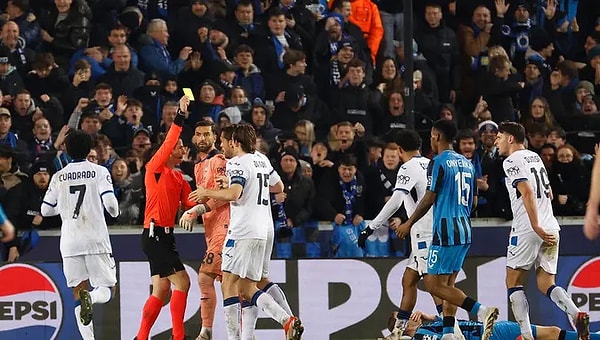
75,175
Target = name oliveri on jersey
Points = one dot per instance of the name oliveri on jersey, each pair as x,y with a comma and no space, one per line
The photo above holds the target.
70,176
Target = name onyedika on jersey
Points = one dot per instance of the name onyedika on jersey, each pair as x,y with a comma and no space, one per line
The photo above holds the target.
459,163
70,176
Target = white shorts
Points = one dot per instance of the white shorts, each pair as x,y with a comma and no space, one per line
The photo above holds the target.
417,260
244,258
99,269
529,251
268,252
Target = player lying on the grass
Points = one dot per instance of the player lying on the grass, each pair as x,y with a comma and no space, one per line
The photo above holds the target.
422,325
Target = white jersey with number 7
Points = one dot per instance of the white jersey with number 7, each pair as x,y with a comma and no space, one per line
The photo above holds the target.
79,193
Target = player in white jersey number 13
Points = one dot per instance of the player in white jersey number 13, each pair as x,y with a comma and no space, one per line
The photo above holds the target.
251,178
79,193
534,236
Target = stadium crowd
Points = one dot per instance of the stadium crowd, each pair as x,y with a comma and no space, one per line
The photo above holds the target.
322,82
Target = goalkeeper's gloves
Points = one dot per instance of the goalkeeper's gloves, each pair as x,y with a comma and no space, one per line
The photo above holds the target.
364,235
189,218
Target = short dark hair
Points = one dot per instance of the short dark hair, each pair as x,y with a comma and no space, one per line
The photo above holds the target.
465,134
78,144
274,12
246,136
514,129
290,57
42,61
568,68
447,128
348,160
203,122
356,63
549,146
499,62
228,130
536,128
243,48
82,64
134,102
408,140
102,86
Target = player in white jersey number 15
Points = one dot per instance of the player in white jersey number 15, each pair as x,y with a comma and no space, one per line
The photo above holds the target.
534,236
79,193
251,178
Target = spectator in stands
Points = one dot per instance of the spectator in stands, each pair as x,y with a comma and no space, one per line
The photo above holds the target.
331,76
300,19
537,134
365,15
154,55
46,77
195,72
306,168
66,28
122,75
495,196
570,182
214,42
13,184
27,111
245,30
128,190
80,87
10,80
320,164
188,20
208,104
345,134
439,46
20,13
557,137
393,116
10,139
540,49
499,87
225,76
247,74
305,132
21,56
105,152
295,73
591,72
41,146
294,107
342,202
388,80
117,38
168,114
534,86
36,187
342,9
171,90
548,155
261,123
381,179
539,112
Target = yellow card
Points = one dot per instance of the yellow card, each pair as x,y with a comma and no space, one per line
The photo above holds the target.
188,92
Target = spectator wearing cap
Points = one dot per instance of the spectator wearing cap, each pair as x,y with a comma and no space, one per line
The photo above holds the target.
248,75
224,76
20,13
341,10
154,55
150,96
591,72
353,100
365,14
329,77
20,55
122,75
208,105
541,48
36,186
186,23
9,138
10,80
299,203
259,119
438,44
327,41
214,43
66,28
273,44
342,201
583,89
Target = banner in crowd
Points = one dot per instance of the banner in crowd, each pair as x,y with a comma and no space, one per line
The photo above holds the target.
335,298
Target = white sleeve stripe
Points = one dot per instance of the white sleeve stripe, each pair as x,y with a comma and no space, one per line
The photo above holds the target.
107,192
50,204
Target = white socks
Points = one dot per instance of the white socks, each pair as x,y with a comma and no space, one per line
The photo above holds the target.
520,309
249,317
100,295
87,332
232,321
278,295
266,303
560,297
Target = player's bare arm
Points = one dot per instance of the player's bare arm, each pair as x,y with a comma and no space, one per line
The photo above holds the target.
591,228
528,197
229,194
277,188
8,232
422,208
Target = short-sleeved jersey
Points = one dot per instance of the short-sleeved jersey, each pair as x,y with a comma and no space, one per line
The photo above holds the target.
452,177
206,171
412,180
527,166
166,189
3,218
76,193
251,213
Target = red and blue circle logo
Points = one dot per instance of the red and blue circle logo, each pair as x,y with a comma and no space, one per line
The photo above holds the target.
30,303
584,289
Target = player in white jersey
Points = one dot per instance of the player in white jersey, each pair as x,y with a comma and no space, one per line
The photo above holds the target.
411,185
534,236
79,193
251,179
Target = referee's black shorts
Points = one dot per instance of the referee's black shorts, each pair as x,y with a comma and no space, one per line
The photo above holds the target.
161,252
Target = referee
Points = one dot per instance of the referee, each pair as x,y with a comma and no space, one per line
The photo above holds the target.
166,190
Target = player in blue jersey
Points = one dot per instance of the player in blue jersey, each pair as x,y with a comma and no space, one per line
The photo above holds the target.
450,189
424,326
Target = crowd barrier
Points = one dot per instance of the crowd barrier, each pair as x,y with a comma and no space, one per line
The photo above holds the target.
336,298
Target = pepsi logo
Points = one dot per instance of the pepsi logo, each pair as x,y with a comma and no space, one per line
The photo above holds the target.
584,289
30,303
